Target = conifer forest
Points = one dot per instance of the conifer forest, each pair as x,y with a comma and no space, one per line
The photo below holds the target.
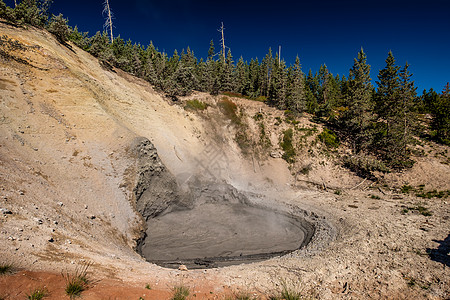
378,120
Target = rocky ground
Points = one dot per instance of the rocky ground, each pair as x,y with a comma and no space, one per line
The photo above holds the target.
71,180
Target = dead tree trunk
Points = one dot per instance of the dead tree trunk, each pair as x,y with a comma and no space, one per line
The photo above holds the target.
223,43
109,17
279,55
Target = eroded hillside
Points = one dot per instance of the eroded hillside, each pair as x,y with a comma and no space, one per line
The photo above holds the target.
71,182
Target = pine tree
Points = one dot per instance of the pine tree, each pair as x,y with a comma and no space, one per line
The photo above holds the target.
311,92
159,64
425,105
81,39
441,116
3,10
395,99
240,76
446,91
278,89
211,51
99,44
209,73
358,118
226,73
254,89
265,74
326,92
59,27
404,122
387,92
211,80
28,12
297,97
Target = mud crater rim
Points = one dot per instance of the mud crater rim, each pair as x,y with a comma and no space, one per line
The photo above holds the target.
212,235
207,223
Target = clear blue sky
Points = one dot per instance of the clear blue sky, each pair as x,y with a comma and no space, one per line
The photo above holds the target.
326,31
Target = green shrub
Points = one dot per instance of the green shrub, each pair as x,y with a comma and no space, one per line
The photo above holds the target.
406,189
363,165
261,98
5,268
59,27
243,140
287,146
423,210
180,293
329,138
30,12
278,121
433,194
258,116
290,117
264,141
419,208
288,292
195,105
78,282
38,294
229,109
305,169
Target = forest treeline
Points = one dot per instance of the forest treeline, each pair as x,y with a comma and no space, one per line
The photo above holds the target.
377,121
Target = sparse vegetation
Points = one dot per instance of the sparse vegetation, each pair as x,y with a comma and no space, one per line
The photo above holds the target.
418,208
364,165
305,169
290,117
38,294
287,146
229,109
329,138
433,194
195,104
180,292
241,296
264,140
421,193
78,282
258,117
410,282
148,287
5,268
288,292
406,189
278,121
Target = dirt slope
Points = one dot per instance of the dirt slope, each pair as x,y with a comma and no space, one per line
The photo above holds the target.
67,179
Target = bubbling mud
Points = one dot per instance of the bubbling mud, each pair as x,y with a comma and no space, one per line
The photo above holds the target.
204,223
214,235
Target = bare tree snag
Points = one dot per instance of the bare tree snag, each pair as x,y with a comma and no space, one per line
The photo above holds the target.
279,55
221,29
109,17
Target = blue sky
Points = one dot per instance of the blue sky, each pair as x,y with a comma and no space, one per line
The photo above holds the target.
320,32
